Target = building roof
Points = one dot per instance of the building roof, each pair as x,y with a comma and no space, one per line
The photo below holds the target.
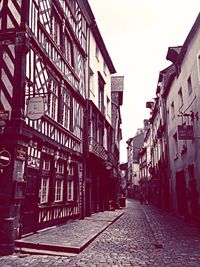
173,53
176,54
189,38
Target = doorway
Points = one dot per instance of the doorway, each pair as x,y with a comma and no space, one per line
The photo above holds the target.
29,209
181,192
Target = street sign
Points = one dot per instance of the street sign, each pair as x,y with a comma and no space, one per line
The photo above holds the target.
185,132
5,158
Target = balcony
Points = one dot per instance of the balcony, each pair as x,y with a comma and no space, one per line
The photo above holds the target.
97,149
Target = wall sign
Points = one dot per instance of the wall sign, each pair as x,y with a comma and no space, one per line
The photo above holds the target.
35,108
185,132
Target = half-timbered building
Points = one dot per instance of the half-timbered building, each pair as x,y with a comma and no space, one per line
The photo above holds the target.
43,53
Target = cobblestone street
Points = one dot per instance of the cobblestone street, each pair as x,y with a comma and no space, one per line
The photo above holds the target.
143,236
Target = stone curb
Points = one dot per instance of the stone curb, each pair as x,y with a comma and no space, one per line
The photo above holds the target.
23,246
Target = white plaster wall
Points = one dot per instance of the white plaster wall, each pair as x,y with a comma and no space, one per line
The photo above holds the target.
189,67
98,65
136,171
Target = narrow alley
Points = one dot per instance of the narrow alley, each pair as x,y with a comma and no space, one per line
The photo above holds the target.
142,236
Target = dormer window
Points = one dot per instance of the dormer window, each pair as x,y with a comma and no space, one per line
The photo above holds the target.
189,84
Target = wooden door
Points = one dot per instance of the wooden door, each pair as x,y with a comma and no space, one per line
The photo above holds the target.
29,211
181,192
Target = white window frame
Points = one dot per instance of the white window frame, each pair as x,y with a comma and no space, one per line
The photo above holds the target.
105,138
44,191
71,170
53,100
46,164
69,52
70,190
56,28
66,99
60,168
58,190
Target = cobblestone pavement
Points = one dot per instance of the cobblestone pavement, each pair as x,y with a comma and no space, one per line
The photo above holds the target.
72,236
143,236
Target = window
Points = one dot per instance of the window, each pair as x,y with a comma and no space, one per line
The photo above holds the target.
53,100
44,190
108,106
71,170
33,17
94,127
101,84
70,190
46,164
56,28
77,119
100,133
66,109
60,168
92,82
69,52
104,68
59,190
180,96
189,84
175,146
106,138
172,110
84,34
97,52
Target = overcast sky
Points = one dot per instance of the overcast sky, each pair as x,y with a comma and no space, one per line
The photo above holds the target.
137,34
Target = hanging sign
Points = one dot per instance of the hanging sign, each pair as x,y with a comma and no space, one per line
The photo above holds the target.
185,132
35,108
21,152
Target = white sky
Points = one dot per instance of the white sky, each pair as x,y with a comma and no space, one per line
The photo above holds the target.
137,34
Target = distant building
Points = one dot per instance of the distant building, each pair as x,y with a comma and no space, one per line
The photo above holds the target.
117,89
173,134
123,178
135,144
